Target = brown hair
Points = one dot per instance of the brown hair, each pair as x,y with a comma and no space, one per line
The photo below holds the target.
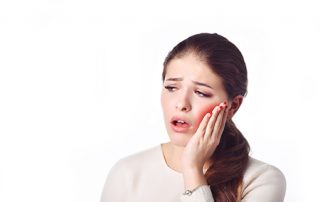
232,154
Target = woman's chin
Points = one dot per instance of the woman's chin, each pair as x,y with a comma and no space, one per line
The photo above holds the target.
180,141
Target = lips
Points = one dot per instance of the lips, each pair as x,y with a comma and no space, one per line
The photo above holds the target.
179,119
180,124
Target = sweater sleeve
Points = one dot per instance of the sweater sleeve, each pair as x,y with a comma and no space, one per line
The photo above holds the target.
202,194
115,187
266,184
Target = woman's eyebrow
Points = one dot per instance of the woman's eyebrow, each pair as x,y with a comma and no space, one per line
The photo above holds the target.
202,84
174,79
195,82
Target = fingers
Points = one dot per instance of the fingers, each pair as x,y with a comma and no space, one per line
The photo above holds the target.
224,120
216,123
215,113
202,127
219,126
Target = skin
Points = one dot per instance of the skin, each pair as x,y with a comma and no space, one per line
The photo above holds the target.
182,96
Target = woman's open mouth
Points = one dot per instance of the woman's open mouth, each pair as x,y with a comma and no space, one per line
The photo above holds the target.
179,125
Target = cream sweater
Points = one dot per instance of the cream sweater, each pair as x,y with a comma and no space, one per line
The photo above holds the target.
145,177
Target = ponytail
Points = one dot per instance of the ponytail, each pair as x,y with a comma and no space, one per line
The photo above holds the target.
230,160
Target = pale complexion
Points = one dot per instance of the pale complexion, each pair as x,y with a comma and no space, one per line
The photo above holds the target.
191,90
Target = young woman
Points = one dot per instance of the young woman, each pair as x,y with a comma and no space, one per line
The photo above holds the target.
207,158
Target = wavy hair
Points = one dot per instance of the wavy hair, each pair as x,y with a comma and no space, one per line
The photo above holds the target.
231,157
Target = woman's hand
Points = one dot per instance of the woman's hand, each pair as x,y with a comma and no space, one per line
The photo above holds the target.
203,143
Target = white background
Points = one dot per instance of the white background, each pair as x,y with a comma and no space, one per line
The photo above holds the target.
80,86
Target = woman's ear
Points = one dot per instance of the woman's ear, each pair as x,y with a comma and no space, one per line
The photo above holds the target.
234,105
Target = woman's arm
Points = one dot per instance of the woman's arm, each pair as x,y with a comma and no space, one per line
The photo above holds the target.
199,149
201,194
264,183
195,180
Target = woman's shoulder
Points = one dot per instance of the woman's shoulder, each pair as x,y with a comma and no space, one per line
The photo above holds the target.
261,178
135,160
125,172
257,167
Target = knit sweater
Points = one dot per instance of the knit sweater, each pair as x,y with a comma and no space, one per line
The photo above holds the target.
146,177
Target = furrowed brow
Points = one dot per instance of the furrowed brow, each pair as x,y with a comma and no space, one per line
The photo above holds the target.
195,82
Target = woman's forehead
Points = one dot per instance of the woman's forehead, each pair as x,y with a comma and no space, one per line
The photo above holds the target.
190,67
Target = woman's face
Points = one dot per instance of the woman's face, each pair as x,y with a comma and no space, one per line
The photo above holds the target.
190,90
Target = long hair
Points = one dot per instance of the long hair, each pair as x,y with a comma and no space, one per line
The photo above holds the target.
231,157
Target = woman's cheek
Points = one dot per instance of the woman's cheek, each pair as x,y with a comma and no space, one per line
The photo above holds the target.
203,114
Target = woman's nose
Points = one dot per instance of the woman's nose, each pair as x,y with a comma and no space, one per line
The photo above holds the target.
183,105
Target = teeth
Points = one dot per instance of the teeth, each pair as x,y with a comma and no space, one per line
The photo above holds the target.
179,121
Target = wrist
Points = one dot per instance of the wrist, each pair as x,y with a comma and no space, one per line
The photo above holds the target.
193,178
189,192
192,171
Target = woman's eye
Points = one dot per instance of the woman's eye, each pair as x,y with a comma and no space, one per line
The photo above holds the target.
202,94
170,88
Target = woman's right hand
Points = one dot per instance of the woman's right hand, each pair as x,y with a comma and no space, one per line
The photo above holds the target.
203,143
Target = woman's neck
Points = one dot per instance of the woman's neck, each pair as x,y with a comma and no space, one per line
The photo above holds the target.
172,155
